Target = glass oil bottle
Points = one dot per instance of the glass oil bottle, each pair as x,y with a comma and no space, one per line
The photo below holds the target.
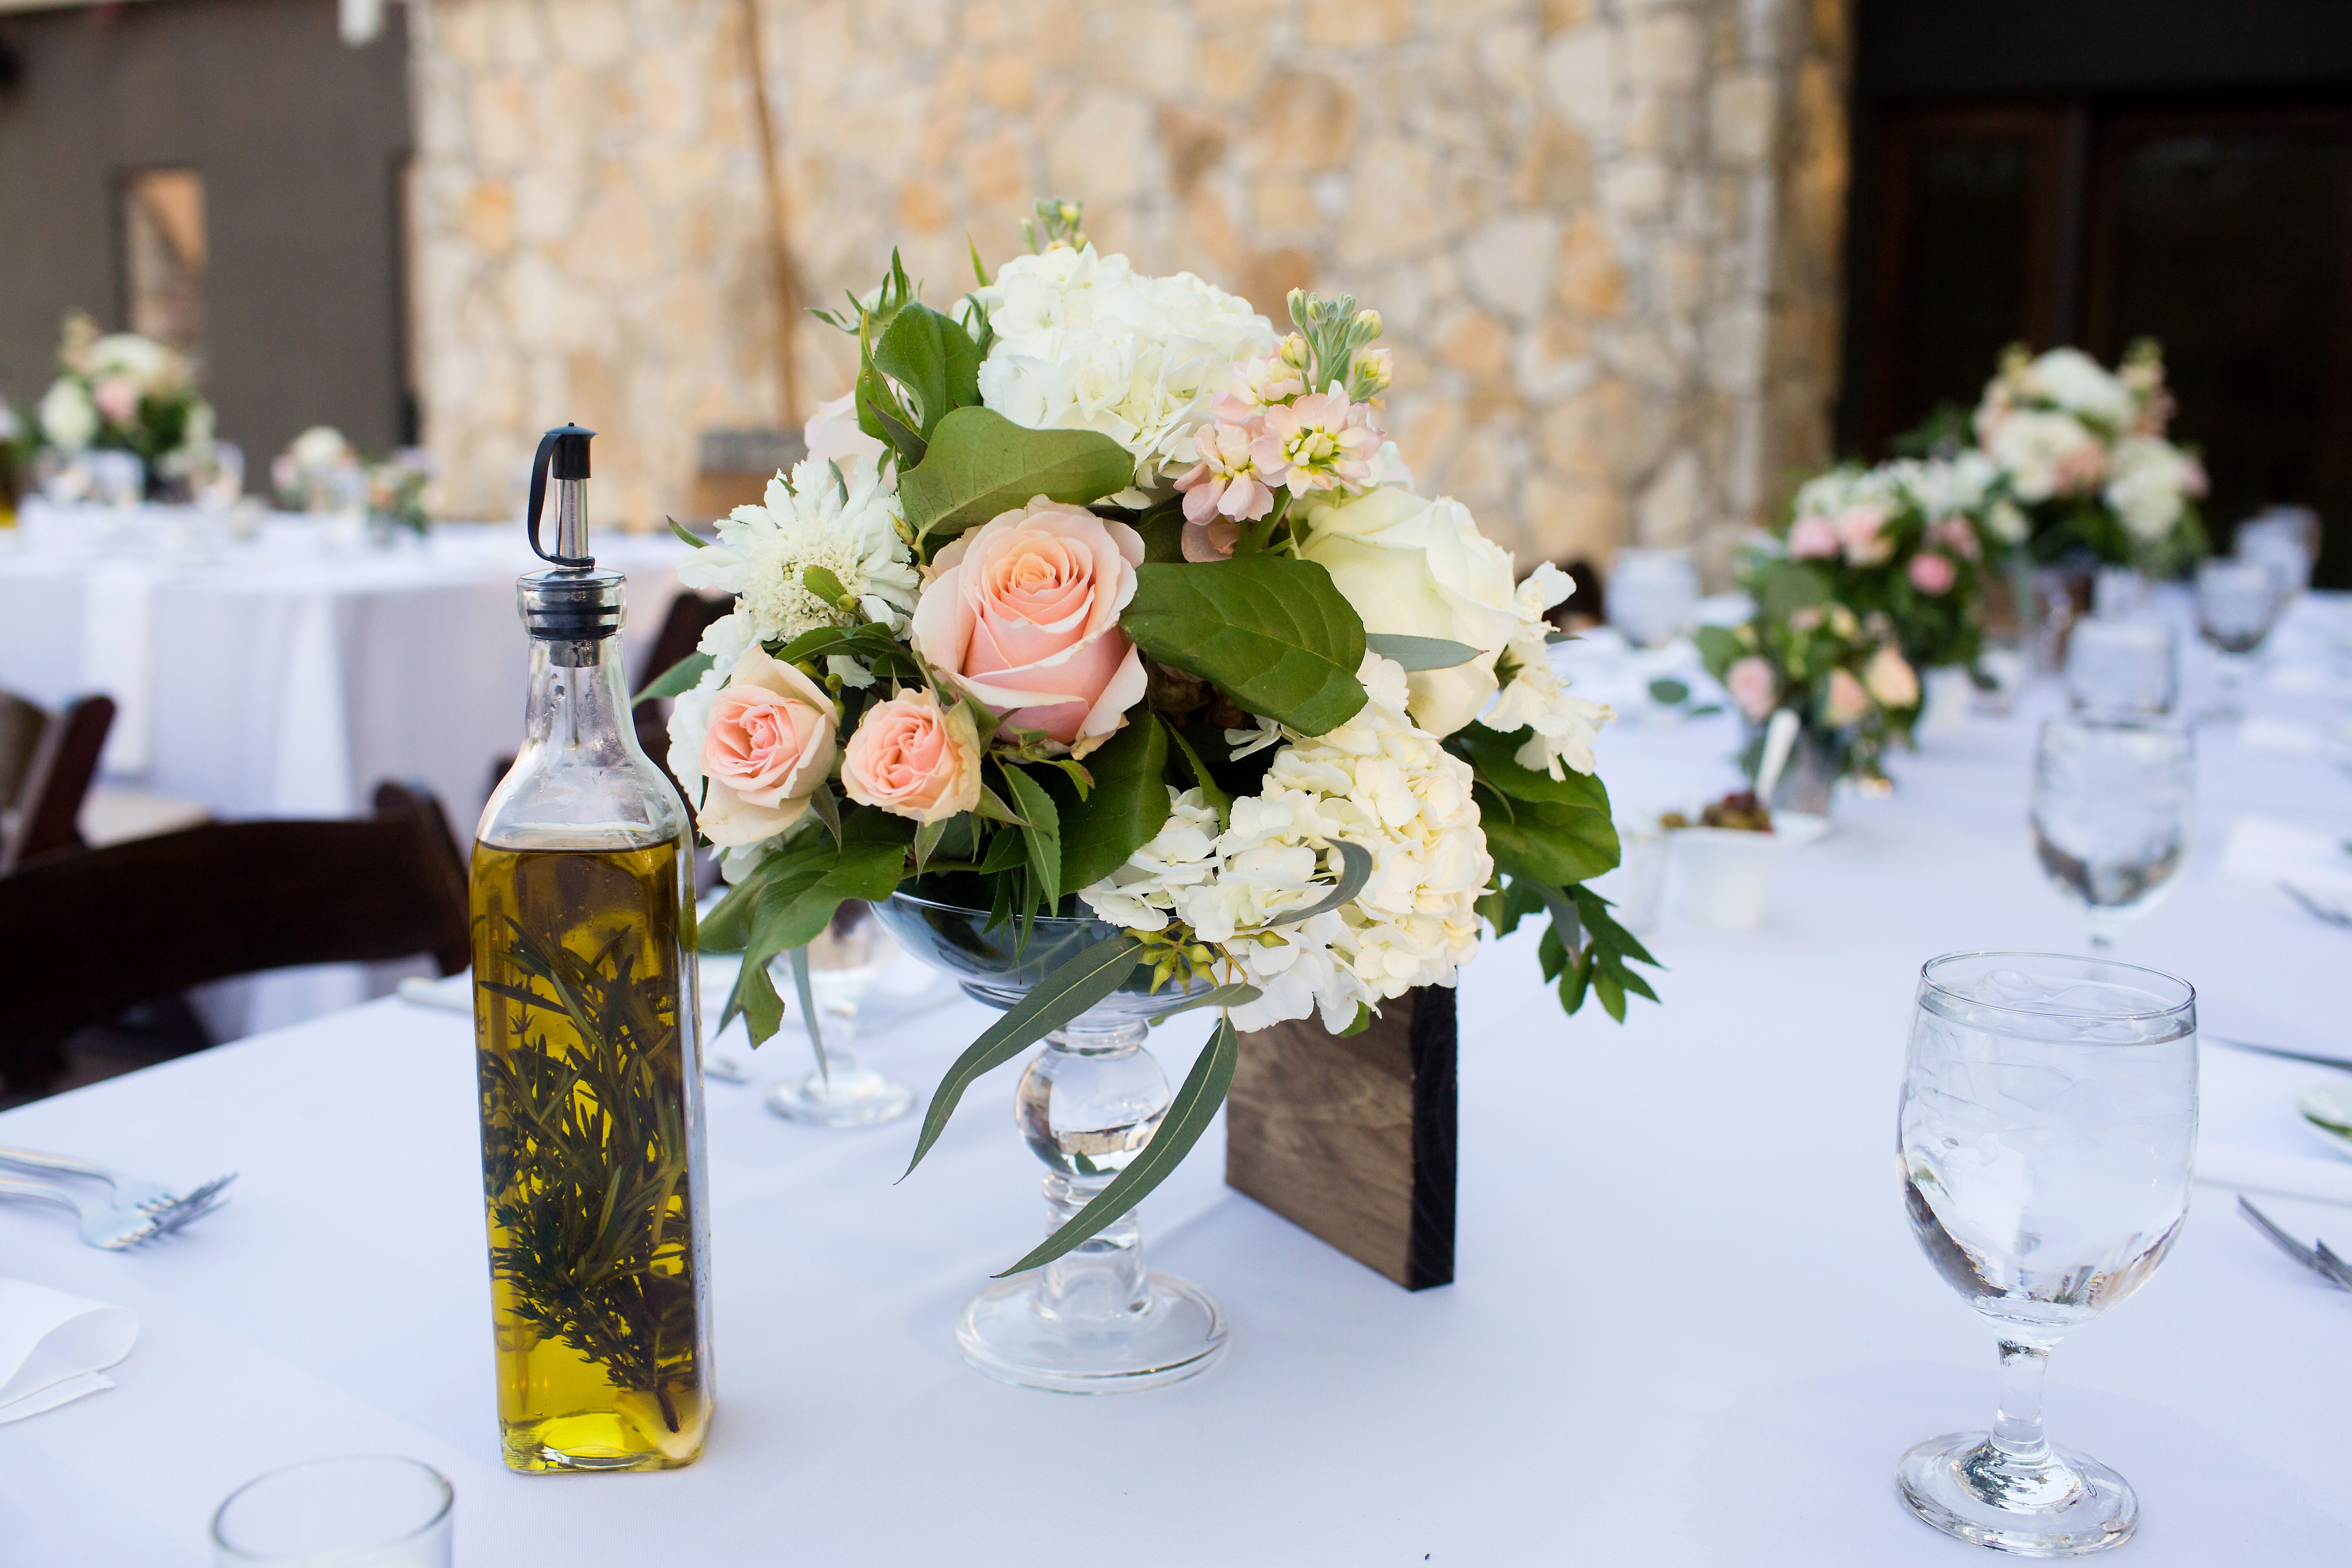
588,1027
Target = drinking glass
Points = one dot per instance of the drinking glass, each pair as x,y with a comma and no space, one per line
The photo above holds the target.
118,479
2118,593
2112,805
366,1510
845,960
220,481
2048,1120
2236,602
2286,539
1652,595
2122,670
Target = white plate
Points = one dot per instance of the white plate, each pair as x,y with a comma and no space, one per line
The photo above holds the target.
2327,1110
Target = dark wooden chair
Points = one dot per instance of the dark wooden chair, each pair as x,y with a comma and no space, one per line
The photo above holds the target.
690,617
51,760
89,933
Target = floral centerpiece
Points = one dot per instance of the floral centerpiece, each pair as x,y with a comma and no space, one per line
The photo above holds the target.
2081,454
1098,595
120,391
322,471
1842,673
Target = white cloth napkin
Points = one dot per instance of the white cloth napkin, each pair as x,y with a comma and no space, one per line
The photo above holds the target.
2265,849
55,1348
2251,1138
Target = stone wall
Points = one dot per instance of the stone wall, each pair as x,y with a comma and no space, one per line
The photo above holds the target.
1603,233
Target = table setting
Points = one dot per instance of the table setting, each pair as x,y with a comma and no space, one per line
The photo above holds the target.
1527,1191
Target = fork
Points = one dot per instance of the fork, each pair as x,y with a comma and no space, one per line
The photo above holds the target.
2320,1258
2315,908
113,1226
166,1205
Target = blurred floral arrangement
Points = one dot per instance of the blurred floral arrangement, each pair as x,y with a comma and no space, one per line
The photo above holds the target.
1840,672
322,471
121,392
1098,593
2082,456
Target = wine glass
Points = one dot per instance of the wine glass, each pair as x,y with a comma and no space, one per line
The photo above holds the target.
843,961
1652,595
2236,601
2112,805
2286,539
2048,1120
2122,670
376,1509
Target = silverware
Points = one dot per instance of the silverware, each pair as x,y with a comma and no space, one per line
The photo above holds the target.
114,1227
2314,1058
169,1207
2317,1258
2315,908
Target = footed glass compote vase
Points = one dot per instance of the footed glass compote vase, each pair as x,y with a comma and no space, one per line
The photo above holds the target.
1094,1320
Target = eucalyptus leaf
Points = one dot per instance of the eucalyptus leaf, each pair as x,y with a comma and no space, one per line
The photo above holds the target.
1418,653
1188,1116
980,463
686,533
1065,992
1210,791
1274,632
808,1010
1233,995
677,679
1042,832
1102,827
1355,871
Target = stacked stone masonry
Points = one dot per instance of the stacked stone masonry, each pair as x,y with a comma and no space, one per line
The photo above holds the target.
1603,233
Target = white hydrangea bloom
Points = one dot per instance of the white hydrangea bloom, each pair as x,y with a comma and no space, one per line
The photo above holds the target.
1943,487
67,417
1377,781
1083,342
2149,485
1845,487
2045,453
2081,385
849,527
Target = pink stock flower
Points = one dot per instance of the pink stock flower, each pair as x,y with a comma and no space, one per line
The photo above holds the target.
1321,442
1846,701
1862,530
1813,538
1957,535
1225,483
1258,383
1752,686
1932,573
1022,613
1204,542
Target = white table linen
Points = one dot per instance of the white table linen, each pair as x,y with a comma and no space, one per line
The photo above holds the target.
1689,1327
56,1347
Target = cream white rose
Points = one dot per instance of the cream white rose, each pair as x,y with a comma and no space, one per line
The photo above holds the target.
1421,568
67,417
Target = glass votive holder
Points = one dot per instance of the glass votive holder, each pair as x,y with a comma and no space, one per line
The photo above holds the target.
2122,670
361,1511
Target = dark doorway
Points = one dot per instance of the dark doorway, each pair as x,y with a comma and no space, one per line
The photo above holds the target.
2093,173
222,168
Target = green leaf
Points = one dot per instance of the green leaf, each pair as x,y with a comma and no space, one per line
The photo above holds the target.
1495,756
686,533
1127,805
980,463
934,358
1210,791
1516,901
1069,990
1667,691
1418,653
927,839
808,1010
677,679
1786,587
1719,649
1188,1116
822,583
1548,842
1232,996
827,810
1355,871
1272,631
1005,851
1041,835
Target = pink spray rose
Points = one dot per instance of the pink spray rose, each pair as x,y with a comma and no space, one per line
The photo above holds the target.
1022,612
769,747
1957,535
1932,573
1813,538
1752,686
913,758
1847,702
117,397
1862,530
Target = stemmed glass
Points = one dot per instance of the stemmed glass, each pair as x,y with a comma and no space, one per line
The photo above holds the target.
1652,595
2048,1120
2112,805
2236,601
845,960
2121,669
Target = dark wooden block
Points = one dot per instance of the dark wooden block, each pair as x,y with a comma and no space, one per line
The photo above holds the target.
1353,1138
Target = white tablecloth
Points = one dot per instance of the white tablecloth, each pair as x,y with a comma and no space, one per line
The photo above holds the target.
1690,1325
287,675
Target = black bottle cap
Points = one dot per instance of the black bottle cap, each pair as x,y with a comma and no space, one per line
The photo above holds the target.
565,449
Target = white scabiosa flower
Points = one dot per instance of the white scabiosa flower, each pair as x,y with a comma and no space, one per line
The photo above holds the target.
849,526
1085,342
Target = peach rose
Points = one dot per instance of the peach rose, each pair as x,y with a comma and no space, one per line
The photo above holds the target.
1752,686
1932,573
913,758
118,398
1890,679
1847,702
769,747
1023,611
1812,538
1864,531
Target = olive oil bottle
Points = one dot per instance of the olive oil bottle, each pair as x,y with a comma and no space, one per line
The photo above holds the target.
588,1027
